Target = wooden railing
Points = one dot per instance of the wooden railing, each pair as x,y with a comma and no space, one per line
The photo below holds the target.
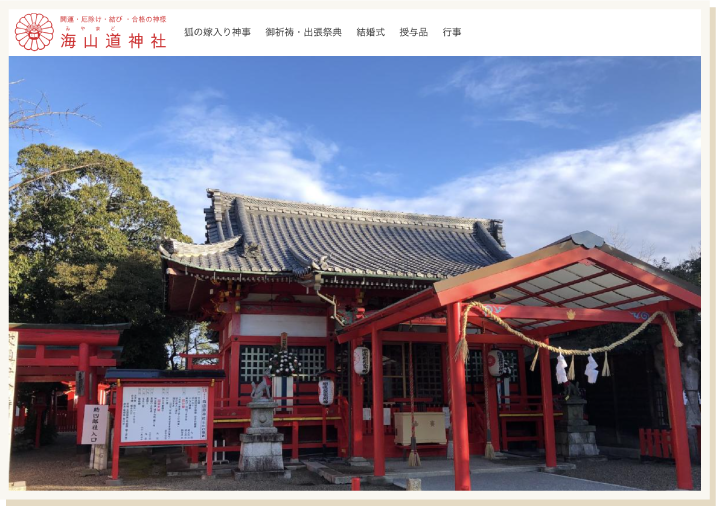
655,444
66,421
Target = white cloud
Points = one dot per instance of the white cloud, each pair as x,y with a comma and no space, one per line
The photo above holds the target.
214,149
647,184
544,92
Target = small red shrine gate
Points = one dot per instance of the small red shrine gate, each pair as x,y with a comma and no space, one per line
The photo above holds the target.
575,283
50,353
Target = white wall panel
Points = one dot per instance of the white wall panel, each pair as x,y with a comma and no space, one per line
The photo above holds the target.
273,325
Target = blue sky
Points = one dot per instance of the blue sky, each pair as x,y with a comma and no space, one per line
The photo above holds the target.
551,145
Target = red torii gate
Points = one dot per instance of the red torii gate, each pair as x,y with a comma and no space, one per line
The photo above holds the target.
577,282
55,352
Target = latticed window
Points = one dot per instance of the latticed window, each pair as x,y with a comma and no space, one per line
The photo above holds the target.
473,368
254,360
513,362
344,365
427,368
428,371
312,360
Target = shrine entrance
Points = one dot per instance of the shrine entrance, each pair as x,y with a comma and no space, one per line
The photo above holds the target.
76,356
575,283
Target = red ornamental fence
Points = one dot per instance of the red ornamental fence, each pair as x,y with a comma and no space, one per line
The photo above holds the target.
655,444
66,421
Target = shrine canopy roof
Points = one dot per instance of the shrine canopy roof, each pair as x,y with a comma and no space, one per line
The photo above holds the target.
576,282
253,235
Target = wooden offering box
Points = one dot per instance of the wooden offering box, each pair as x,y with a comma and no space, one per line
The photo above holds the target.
429,428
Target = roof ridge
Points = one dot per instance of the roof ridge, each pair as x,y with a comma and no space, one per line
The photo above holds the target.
175,247
372,215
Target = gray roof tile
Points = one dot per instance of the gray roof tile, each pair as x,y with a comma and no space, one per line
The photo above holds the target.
251,234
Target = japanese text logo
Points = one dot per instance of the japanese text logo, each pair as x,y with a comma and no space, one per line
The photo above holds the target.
34,31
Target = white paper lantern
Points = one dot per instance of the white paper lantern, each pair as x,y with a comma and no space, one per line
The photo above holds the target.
325,392
496,363
361,360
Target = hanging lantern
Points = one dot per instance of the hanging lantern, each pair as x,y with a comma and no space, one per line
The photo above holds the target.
496,363
325,392
361,360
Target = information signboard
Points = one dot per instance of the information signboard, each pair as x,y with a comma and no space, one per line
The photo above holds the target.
164,413
94,425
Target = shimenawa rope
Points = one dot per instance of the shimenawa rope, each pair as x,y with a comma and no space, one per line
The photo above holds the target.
463,350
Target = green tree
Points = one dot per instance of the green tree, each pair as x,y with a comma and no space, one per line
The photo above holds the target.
83,248
194,338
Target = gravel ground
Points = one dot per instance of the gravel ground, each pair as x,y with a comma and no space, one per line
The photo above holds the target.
632,473
55,467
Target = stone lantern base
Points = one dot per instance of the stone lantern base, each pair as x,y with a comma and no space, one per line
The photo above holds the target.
261,444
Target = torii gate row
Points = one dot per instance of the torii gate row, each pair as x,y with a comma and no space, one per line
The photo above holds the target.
574,283
56,352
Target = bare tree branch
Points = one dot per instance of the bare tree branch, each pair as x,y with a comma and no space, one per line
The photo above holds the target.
27,114
50,174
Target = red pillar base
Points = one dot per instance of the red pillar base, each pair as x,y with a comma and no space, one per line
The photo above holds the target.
677,413
550,450
461,443
377,415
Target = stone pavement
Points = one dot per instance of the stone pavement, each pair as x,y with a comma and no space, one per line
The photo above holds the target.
515,481
398,469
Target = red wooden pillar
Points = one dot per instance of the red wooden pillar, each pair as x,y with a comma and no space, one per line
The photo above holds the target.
490,383
461,443
294,441
38,420
234,373
81,400
210,431
550,449
356,404
225,358
677,414
117,434
378,429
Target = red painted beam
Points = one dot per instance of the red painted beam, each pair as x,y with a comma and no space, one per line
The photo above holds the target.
46,370
646,278
275,341
102,362
400,312
576,325
504,311
439,337
45,378
488,325
58,362
68,337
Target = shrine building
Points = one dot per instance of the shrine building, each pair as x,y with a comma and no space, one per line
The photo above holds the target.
324,281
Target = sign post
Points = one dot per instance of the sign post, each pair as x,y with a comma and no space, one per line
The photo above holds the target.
162,412
13,367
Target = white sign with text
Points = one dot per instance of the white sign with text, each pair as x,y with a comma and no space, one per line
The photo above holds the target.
164,414
94,425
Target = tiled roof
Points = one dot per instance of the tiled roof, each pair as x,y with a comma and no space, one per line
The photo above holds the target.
258,235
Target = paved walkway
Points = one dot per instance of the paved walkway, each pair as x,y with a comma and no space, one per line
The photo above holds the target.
515,481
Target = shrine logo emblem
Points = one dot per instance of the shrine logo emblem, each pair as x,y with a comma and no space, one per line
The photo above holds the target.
34,31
